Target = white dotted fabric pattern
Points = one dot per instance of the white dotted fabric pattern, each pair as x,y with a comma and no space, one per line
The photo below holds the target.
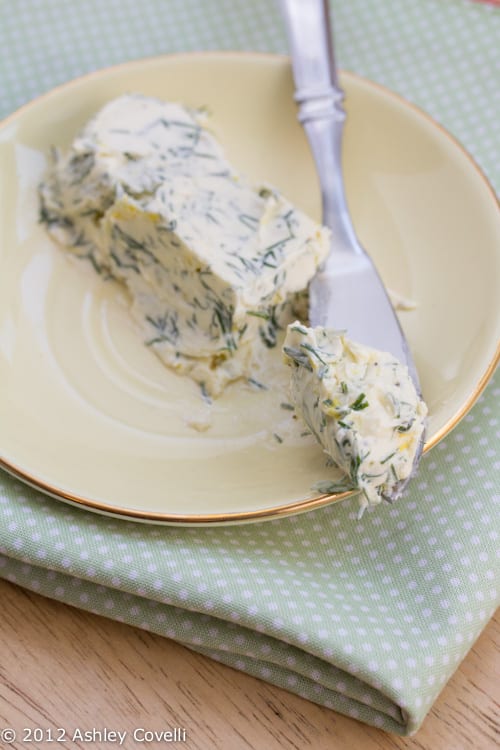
369,617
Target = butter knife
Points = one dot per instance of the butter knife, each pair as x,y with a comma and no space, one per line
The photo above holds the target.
347,292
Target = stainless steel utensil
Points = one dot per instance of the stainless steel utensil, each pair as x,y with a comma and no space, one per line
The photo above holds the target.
347,293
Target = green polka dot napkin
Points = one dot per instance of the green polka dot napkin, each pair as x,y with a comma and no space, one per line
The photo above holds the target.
367,617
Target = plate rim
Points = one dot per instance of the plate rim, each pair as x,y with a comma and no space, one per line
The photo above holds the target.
294,507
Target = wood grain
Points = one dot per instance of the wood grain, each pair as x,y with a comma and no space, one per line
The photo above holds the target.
61,667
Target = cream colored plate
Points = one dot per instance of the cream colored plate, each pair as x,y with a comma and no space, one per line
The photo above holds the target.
89,415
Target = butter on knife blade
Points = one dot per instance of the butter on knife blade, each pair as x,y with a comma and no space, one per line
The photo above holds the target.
361,405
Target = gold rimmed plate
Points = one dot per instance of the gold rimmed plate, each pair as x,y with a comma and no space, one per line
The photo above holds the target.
89,415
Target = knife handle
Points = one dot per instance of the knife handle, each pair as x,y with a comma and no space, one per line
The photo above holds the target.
320,97
311,48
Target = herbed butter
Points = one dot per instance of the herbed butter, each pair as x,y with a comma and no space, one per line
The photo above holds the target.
211,262
360,404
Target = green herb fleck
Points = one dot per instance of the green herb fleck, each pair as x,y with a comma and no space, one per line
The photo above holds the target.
269,332
258,314
406,427
298,357
204,393
314,351
166,327
354,468
251,222
384,460
80,165
360,403
257,384
330,487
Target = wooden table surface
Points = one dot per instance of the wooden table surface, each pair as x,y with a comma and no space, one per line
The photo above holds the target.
61,667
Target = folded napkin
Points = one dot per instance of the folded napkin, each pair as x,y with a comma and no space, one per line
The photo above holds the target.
367,617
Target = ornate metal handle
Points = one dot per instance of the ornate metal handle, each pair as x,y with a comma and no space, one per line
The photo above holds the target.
320,108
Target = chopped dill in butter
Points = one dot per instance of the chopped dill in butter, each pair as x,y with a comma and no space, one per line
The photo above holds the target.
360,404
211,262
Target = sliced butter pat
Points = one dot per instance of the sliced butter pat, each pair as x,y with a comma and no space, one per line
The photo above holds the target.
211,262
